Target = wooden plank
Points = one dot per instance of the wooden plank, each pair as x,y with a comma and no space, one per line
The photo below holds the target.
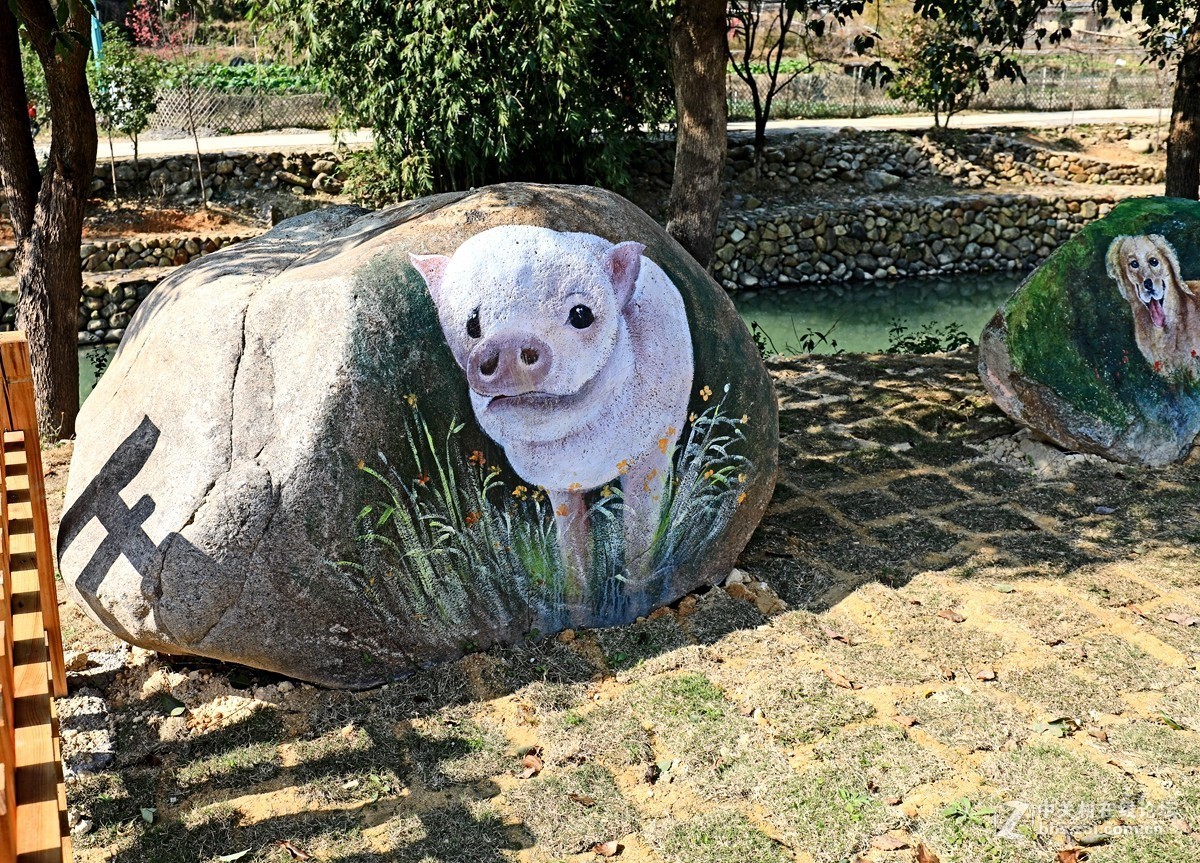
20,544
20,415
40,824
20,510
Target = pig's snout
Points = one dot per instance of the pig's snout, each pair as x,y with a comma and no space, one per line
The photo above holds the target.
509,365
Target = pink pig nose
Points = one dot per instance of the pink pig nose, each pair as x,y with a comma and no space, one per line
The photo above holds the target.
509,365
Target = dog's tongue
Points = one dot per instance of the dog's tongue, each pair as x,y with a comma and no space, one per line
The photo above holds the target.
1156,314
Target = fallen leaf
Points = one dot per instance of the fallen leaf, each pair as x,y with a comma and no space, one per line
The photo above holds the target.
148,814
889,842
583,800
840,680
1182,619
291,849
947,672
1072,855
924,855
892,801
951,615
1057,727
1136,610
609,849
905,720
237,855
985,673
348,731
1005,588
834,635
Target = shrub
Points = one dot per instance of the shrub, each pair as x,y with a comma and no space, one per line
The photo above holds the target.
938,71
462,94
123,85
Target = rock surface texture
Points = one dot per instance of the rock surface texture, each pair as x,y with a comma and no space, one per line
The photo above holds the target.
309,491
1099,349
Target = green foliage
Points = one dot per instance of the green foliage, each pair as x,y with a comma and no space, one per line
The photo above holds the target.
929,339
123,84
257,77
938,71
461,94
35,78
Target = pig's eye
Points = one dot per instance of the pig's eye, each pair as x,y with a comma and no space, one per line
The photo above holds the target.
473,329
581,317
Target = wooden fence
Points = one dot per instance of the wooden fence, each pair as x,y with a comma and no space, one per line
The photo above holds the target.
33,802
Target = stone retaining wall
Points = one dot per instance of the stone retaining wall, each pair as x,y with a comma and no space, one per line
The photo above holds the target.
107,304
879,160
233,177
881,239
102,256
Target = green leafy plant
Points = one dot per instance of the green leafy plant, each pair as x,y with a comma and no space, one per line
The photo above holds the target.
938,70
462,94
928,339
123,85
99,357
257,77
963,817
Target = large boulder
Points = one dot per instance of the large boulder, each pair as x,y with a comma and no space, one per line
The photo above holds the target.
1099,349
283,465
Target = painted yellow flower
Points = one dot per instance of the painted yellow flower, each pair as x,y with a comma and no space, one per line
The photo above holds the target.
623,466
575,487
561,511
472,518
741,477
493,470
741,498
606,492
708,473
477,457
361,464
649,479
539,495
692,417
411,398
706,393
519,492
745,418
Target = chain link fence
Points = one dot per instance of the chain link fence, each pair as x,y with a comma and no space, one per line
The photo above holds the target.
826,94
223,112
837,94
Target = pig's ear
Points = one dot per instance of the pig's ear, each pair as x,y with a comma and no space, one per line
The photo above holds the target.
431,268
623,262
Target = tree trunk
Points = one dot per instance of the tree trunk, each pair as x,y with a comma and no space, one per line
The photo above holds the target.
698,62
48,233
1183,143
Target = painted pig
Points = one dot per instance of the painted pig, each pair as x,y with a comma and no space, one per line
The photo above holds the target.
578,356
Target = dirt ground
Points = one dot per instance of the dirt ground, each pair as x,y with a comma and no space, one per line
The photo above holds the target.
988,653
123,219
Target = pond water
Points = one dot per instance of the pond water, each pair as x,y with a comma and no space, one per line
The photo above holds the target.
88,358
858,316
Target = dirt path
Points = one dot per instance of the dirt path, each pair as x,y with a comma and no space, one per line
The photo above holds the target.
993,665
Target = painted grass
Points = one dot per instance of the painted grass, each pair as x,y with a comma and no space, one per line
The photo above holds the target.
460,541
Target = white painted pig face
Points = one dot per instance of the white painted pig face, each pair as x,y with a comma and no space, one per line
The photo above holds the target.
534,317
